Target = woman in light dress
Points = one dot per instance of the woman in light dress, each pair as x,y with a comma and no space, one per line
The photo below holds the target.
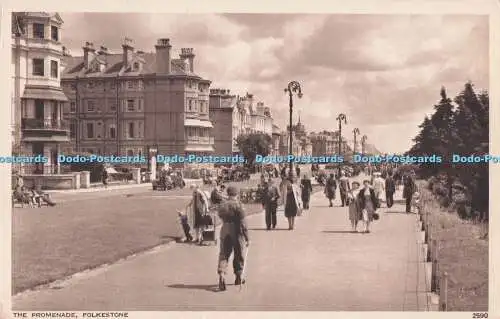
368,204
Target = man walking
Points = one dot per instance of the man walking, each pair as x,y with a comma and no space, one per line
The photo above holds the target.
344,188
408,191
390,189
233,238
270,203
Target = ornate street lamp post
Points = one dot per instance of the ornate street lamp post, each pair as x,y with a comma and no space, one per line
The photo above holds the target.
341,118
363,143
293,87
356,133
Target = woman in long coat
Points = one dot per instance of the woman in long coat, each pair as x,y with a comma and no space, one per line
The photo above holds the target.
330,188
355,214
291,200
306,188
368,204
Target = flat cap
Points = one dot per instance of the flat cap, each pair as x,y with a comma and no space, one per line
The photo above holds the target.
232,191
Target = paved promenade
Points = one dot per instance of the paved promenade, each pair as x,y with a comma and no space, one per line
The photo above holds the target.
320,265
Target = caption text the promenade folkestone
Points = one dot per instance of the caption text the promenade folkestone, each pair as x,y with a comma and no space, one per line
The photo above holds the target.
259,159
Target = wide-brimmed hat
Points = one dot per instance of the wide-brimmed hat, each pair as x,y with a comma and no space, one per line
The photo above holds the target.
232,191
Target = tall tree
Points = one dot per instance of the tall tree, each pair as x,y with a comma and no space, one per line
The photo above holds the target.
425,145
253,144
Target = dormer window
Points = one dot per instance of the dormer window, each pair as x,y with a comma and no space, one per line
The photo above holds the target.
54,33
136,66
38,31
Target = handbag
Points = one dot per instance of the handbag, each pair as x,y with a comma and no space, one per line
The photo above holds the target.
376,216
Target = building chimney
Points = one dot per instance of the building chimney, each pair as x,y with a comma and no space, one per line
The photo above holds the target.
103,51
163,59
187,54
127,51
88,53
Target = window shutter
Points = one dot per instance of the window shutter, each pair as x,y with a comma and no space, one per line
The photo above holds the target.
84,129
125,130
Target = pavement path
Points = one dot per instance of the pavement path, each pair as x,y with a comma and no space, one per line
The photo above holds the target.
320,265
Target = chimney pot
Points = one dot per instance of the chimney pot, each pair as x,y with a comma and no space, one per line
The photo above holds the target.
163,56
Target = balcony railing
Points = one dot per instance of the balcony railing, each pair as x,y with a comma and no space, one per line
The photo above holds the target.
44,124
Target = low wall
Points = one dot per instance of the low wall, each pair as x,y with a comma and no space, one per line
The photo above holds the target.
62,181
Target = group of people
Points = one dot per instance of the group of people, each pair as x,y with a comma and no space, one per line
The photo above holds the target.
233,233
364,202
32,196
293,196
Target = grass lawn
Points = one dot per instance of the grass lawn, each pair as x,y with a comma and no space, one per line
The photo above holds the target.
463,254
51,243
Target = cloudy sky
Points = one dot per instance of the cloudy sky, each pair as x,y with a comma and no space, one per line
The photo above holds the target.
383,71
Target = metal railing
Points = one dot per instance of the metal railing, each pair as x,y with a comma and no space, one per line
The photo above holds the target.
43,124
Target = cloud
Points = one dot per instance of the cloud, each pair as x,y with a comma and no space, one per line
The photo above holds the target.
383,71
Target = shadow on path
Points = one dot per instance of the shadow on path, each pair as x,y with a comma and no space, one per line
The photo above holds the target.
210,288
265,229
397,212
340,232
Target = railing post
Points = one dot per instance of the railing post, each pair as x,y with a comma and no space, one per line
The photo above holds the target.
434,261
443,293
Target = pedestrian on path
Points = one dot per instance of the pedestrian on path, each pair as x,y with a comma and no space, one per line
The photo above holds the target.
368,204
344,188
306,190
378,185
355,214
233,238
199,206
390,189
105,177
292,200
216,194
330,188
270,199
409,189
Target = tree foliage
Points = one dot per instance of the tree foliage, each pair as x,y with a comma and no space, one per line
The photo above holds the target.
459,126
253,144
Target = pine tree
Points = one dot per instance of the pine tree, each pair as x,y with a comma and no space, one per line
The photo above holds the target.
425,145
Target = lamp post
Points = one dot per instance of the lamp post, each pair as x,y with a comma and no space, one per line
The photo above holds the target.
293,87
356,133
363,143
341,118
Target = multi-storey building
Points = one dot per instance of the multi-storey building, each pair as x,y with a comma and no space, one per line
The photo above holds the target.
37,99
246,117
276,138
222,112
132,102
326,142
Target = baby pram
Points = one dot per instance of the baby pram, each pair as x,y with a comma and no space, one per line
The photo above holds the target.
208,230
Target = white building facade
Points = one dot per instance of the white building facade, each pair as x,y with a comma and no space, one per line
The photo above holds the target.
37,98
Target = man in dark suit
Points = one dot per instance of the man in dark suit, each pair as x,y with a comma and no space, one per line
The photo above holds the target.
390,189
408,191
270,198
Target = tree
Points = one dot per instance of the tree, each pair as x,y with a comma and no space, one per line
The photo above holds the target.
462,130
253,144
425,145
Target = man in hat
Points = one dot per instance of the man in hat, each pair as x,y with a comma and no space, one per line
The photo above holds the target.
270,198
344,188
233,237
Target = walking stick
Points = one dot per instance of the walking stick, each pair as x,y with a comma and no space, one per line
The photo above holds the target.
244,267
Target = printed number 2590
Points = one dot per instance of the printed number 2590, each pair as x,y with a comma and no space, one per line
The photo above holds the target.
480,315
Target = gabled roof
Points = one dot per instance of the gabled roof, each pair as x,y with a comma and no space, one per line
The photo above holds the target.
115,67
